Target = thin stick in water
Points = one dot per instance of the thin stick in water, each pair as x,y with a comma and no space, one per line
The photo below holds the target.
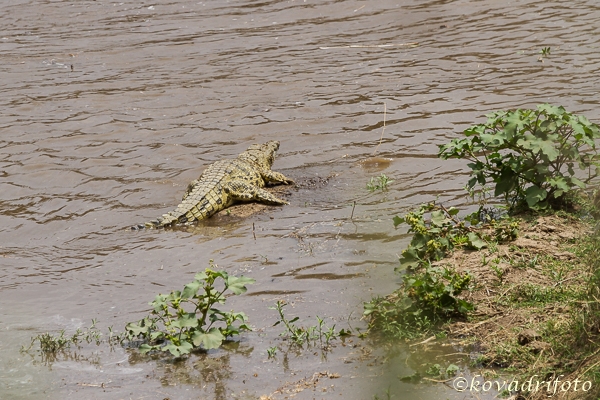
383,129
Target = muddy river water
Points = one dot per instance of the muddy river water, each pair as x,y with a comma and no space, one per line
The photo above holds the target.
109,109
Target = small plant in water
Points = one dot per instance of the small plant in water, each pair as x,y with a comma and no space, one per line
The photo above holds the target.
301,335
55,346
388,395
50,343
436,370
272,351
545,51
170,327
379,183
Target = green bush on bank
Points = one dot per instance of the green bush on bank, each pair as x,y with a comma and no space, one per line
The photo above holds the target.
530,155
430,294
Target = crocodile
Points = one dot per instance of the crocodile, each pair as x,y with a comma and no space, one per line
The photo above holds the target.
224,183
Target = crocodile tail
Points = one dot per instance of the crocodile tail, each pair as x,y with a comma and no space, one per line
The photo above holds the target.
166,220
177,216
196,205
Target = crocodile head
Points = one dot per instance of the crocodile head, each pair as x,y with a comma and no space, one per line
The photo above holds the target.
261,154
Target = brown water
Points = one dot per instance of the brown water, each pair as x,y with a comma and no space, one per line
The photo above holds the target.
109,109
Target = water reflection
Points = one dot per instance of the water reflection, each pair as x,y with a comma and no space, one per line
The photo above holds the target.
204,372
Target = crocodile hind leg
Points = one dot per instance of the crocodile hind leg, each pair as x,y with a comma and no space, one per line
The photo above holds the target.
243,191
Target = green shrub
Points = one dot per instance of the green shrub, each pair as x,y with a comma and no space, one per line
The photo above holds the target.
434,290
434,238
428,296
530,155
171,328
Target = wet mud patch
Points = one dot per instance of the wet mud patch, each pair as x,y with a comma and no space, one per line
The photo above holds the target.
375,164
319,382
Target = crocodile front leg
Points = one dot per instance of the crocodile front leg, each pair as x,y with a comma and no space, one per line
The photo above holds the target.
243,191
275,177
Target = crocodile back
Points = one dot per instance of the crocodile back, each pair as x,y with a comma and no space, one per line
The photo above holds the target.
220,184
261,155
207,196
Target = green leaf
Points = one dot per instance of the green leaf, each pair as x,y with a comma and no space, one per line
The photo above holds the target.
191,289
418,242
405,303
145,348
475,241
184,348
344,332
534,195
577,182
159,302
210,340
545,147
513,125
410,258
237,284
397,221
496,139
438,218
143,326
452,369
506,183
559,183
445,242
188,320
200,276
472,182
447,301
134,329
238,316
464,306
175,295
414,378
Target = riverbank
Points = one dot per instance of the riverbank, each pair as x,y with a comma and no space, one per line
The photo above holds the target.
535,315
536,305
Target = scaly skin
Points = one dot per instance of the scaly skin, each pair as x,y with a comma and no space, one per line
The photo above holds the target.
224,183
